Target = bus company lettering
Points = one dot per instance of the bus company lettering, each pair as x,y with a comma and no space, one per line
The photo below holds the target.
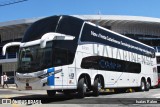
116,53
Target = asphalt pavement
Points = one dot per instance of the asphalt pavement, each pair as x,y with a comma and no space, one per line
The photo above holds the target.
61,100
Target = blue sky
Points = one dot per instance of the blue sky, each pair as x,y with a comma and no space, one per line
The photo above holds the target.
41,8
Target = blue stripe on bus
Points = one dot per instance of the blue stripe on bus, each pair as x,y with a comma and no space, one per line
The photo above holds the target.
50,79
50,70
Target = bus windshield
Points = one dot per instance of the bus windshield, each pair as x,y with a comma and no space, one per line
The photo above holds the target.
56,53
35,58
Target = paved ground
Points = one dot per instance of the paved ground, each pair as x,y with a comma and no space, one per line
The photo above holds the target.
61,100
10,86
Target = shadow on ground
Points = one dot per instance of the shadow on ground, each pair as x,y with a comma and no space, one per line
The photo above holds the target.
70,99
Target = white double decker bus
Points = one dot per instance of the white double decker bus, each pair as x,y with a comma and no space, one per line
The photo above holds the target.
68,54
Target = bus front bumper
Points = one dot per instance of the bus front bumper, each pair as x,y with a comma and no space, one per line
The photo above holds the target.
41,84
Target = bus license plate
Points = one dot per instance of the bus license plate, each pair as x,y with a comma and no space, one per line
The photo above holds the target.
28,88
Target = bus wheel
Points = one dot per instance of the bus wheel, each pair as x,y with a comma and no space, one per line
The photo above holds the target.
51,93
82,88
148,85
97,87
143,86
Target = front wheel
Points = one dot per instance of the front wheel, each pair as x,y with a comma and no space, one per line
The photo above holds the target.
51,93
82,88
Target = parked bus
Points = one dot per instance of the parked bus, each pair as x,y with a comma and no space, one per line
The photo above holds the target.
68,54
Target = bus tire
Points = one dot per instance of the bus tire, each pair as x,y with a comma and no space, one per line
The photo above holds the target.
51,93
142,86
148,85
82,88
96,87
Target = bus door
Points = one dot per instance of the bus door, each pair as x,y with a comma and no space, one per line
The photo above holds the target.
64,75
61,71
58,77
61,77
69,70
72,75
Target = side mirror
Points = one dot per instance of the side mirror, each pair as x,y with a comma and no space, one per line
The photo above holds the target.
9,45
53,36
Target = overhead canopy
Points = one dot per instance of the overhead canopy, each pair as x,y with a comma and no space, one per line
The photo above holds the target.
118,23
